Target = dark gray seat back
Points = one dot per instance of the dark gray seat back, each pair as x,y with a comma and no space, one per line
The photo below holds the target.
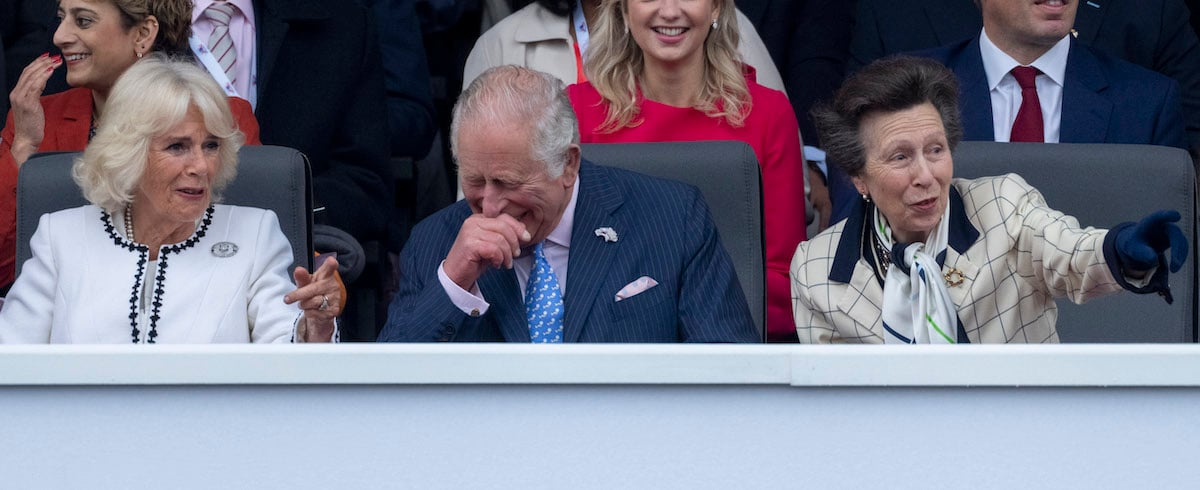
727,174
269,177
1103,185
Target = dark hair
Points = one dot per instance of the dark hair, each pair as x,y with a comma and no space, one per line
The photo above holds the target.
174,23
561,8
888,85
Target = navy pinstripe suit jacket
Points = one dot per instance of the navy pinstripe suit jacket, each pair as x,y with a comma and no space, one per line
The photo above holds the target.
665,232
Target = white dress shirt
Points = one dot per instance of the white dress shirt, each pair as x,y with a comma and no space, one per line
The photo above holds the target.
241,29
1006,92
557,248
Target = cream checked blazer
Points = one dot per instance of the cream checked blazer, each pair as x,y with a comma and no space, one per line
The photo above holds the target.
1015,255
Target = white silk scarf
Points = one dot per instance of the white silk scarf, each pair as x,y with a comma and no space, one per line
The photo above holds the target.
917,308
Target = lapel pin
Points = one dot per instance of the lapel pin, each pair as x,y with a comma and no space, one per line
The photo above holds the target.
609,234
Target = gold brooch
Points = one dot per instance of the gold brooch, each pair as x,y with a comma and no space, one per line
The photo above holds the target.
953,277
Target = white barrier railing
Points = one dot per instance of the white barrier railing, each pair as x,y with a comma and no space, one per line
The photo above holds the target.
974,365
598,416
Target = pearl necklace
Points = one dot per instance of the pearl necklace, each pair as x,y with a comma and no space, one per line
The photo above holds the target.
129,221
882,256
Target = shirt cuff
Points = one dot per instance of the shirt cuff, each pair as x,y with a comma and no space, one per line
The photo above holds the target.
1144,280
470,302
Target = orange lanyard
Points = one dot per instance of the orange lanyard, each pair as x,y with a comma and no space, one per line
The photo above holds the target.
579,76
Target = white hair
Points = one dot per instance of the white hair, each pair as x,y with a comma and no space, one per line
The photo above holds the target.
509,95
152,96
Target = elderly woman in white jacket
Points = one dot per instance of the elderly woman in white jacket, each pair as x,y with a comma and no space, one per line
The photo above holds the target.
153,259
925,258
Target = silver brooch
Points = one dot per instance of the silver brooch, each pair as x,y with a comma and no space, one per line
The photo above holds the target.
224,249
609,234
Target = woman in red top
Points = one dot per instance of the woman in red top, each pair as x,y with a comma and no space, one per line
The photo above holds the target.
669,70
99,41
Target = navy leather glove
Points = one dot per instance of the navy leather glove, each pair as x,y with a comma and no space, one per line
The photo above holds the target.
1141,245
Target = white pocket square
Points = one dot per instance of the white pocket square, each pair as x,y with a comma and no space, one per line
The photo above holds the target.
636,287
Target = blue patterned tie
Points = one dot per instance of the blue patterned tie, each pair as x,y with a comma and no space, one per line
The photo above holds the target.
543,301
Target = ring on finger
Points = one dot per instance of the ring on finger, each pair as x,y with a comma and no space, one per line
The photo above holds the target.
324,303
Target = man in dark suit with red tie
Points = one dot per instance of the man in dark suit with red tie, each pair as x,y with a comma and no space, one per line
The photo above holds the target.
1025,51
1153,34
644,260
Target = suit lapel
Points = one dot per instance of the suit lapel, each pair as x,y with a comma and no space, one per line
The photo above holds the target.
76,122
975,96
963,236
1085,113
851,269
591,257
500,288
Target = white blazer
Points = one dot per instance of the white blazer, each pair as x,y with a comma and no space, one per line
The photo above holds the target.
225,284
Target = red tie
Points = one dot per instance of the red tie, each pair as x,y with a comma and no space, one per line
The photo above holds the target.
1028,125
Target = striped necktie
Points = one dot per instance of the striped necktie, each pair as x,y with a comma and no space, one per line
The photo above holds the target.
543,301
220,43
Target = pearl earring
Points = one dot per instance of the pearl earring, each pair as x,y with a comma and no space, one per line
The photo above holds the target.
715,26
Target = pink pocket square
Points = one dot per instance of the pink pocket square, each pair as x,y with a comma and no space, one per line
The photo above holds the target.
636,287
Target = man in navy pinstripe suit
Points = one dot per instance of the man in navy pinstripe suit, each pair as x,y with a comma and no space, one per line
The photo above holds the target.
644,260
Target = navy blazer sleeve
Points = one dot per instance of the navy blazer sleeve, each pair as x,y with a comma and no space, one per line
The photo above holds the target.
712,307
421,311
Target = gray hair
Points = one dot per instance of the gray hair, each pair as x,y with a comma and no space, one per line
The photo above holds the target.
508,95
888,85
151,97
